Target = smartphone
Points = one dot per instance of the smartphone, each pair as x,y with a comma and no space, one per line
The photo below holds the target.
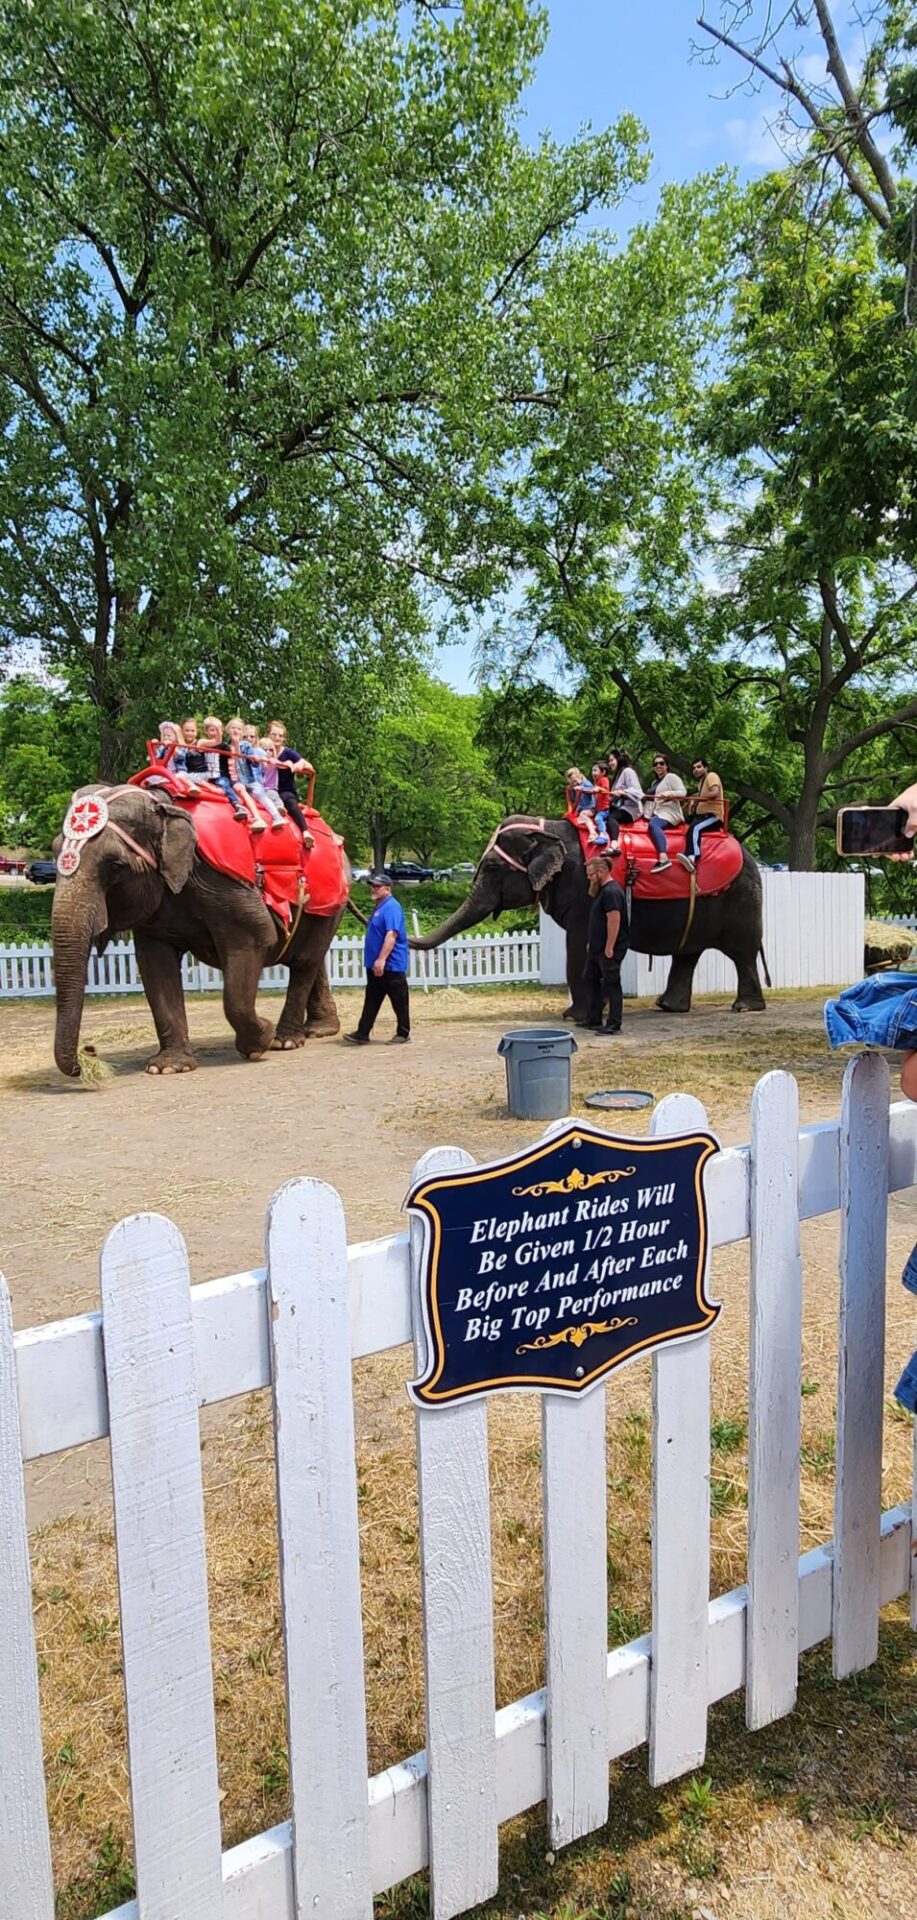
871,830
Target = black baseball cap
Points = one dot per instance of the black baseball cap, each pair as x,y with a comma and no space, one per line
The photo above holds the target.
379,879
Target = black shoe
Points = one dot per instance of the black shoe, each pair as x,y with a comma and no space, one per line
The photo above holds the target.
592,1026
609,1029
399,1039
357,1039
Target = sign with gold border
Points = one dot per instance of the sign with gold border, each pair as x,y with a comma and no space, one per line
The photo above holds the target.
549,1269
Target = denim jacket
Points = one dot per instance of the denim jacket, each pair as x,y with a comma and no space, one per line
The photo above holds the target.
878,1012
906,1390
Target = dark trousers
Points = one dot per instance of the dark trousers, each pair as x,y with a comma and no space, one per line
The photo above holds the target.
385,986
294,810
705,823
603,983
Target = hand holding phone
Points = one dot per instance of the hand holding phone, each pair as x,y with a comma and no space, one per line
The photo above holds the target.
879,832
907,800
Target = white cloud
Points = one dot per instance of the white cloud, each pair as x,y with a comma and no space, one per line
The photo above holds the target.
756,141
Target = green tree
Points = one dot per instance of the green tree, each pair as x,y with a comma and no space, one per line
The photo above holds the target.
269,283
757,601
47,748
418,782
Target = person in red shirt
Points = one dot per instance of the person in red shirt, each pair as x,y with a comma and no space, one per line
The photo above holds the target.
602,786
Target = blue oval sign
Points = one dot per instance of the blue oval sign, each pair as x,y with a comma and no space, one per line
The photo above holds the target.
549,1269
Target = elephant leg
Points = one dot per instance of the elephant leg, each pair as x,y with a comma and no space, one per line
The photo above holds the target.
241,974
160,970
290,1032
322,1015
676,996
749,997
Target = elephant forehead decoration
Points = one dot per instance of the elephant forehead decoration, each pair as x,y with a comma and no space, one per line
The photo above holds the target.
85,818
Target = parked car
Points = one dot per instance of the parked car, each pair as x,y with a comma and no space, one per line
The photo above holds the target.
463,871
406,872
11,866
42,873
361,873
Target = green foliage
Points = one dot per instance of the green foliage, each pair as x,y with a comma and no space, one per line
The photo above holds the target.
283,292
412,779
47,747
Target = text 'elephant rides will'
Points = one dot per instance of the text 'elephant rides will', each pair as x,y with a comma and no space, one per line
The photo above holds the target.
163,857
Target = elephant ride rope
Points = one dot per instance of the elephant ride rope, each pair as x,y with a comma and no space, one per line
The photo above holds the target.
288,874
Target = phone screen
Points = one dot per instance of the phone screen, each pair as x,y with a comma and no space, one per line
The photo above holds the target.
871,830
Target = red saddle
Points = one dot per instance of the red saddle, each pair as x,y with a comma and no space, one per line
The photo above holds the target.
720,861
275,863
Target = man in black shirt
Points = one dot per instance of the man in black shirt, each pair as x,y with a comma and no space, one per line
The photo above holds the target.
605,947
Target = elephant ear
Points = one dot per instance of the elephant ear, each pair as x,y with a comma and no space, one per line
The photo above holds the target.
547,863
179,846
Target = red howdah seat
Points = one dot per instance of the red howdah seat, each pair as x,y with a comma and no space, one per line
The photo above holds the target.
275,863
719,863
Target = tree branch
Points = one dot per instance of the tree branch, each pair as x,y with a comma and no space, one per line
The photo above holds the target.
786,81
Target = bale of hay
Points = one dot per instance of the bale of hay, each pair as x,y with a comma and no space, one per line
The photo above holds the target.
887,945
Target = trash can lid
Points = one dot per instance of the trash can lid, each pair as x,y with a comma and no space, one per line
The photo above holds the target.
620,1099
542,1039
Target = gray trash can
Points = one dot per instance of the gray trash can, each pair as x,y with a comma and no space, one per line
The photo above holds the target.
538,1072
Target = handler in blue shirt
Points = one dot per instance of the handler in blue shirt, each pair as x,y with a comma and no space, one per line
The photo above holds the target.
385,957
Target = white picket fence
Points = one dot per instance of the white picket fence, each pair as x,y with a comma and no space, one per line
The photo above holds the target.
161,1349
470,960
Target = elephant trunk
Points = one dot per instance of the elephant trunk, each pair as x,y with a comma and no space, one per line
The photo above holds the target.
470,914
72,932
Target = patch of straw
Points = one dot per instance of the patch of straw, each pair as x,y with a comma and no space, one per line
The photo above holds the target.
93,1071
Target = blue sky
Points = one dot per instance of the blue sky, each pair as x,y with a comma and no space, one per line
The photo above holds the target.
608,57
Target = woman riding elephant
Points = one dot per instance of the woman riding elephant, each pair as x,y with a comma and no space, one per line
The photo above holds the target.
141,871
540,861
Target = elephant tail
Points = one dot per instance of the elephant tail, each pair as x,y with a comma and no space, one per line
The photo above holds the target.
365,923
767,979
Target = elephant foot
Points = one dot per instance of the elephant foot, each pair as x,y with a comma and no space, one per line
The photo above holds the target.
323,1029
288,1042
749,1006
172,1060
665,1006
258,1041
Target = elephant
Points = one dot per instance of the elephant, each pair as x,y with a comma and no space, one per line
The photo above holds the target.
155,883
541,861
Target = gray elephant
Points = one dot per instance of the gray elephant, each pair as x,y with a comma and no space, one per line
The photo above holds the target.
143,873
541,861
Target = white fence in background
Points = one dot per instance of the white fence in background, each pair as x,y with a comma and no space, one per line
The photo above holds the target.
813,937
160,1349
470,960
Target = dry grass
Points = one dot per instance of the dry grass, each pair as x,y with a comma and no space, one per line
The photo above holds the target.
79,1646
817,1816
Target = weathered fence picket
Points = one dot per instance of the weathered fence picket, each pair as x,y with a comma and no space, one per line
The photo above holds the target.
162,1571
774,1403
168,1349
861,1363
25,1851
457,1588
680,1526
319,1550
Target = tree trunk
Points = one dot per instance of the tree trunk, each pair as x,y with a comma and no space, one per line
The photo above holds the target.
379,839
805,822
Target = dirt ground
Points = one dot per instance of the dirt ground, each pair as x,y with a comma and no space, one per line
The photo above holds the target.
833,1828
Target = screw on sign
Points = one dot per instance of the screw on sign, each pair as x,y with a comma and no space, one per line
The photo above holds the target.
551,1268
85,817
